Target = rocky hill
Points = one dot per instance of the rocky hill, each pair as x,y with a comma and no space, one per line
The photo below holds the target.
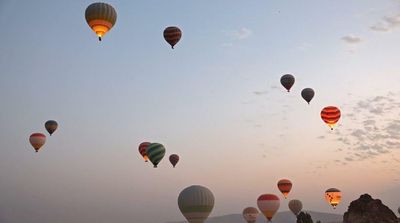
369,210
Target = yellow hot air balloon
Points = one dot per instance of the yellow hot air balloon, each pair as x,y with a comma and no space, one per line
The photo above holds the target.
101,17
333,196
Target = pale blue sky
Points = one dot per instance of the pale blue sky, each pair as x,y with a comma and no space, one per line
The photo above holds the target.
215,100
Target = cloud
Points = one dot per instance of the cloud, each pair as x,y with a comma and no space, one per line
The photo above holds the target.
259,93
387,23
376,129
243,33
351,39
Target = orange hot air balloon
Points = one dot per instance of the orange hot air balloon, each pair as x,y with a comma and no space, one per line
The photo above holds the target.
333,196
173,159
37,140
142,150
330,115
285,186
268,205
101,17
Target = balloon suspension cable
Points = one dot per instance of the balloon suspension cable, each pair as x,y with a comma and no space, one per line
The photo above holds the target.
331,128
99,38
172,47
146,161
155,166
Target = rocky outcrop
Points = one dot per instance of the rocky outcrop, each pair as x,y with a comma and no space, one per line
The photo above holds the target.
368,210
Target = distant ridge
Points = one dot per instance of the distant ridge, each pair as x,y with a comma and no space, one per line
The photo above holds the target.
281,217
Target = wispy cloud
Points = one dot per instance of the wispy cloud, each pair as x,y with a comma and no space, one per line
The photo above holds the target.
260,93
377,131
387,23
243,33
351,39
236,35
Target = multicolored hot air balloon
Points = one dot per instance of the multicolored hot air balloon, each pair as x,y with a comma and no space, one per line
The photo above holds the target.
307,94
174,158
172,35
333,196
284,187
101,17
250,214
196,203
295,206
51,126
330,115
37,140
142,150
268,205
155,152
287,81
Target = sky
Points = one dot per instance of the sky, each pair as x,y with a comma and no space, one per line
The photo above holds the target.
215,100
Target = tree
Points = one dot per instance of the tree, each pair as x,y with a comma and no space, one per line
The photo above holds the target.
304,218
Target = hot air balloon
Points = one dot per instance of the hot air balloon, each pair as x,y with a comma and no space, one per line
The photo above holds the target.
37,140
295,206
172,35
307,94
173,159
250,214
142,150
51,126
330,115
285,186
155,152
333,196
287,81
196,203
101,17
268,205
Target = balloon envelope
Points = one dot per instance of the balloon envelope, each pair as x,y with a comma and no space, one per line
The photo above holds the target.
101,17
284,187
295,206
307,94
333,196
173,159
330,115
51,126
155,152
196,203
142,150
172,35
268,205
287,81
37,140
250,214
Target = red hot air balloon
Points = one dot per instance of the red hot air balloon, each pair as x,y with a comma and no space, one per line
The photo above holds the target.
173,159
285,186
330,115
172,35
268,205
142,150
37,140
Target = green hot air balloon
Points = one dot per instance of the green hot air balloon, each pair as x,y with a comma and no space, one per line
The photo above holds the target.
155,152
196,203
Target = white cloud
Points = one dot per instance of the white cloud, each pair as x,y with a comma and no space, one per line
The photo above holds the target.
387,23
243,33
351,39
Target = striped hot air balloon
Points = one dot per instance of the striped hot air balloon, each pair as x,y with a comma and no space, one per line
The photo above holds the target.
101,17
287,81
295,206
196,203
155,152
284,187
174,158
250,214
333,196
172,35
268,205
51,126
330,115
142,150
37,140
